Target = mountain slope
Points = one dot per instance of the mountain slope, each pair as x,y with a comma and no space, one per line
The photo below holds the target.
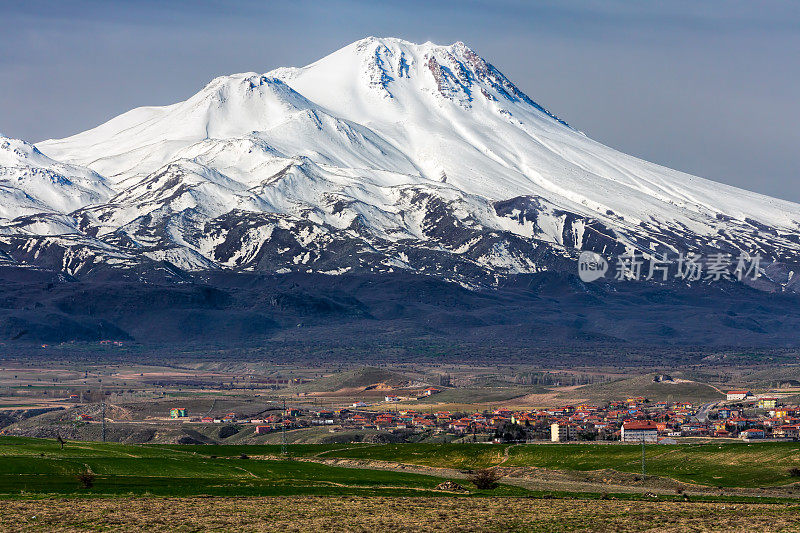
383,156
539,318
455,113
31,182
230,107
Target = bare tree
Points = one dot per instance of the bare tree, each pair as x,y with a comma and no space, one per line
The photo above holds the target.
485,478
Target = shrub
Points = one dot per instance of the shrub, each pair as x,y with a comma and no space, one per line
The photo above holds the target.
228,431
794,471
86,479
485,478
244,456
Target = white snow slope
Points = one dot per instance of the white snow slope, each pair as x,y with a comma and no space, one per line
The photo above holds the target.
31,182
395,146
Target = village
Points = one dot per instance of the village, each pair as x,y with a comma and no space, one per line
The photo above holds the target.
741,416
384,405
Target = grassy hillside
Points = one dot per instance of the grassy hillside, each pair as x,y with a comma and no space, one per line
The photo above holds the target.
645,386
462,397
783,375
358,378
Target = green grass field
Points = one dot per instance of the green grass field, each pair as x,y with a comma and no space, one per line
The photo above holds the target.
39,467
726,465
30,467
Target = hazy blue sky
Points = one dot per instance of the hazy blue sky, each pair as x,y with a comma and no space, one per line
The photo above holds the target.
708,87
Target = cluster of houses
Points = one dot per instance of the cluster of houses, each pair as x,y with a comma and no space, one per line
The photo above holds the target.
742,416
633,420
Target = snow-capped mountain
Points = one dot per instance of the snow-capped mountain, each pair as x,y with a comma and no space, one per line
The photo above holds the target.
32,183
384,155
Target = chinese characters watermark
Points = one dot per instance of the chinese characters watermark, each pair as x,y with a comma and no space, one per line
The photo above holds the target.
687,267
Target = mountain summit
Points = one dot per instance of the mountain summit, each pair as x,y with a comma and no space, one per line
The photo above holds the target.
385,155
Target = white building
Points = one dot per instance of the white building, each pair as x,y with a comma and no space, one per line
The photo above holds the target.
638,431
563,432
738,394
754,433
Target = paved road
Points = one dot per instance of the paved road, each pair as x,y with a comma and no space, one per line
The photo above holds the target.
702,413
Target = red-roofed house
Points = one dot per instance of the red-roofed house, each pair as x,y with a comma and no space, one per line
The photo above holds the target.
752,433
787,432
639,430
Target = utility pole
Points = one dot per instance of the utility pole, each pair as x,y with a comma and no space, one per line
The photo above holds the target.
644,469
103,412
283,429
